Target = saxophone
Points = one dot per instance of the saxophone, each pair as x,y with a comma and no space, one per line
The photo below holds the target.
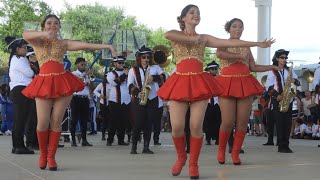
145,89
287,93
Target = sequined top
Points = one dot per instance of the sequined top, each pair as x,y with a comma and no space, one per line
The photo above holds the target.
184,51
239,50
50,51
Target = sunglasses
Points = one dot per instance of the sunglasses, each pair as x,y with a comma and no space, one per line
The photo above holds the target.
145,57
120,62
83,64
283,57
213,68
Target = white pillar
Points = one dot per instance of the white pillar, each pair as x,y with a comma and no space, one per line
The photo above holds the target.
264,31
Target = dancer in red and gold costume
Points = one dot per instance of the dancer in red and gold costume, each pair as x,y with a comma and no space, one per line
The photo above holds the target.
190,86
239,88
53,87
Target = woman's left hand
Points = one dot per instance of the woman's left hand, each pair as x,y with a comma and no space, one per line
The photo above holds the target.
267,43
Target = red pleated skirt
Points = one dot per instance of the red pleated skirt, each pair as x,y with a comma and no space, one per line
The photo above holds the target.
237,82
189,83
53,82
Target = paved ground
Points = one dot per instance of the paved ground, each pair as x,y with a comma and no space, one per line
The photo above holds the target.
115,163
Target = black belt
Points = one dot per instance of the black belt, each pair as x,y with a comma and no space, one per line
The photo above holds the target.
81,96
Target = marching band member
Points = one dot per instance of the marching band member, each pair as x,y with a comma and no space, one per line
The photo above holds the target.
140,76
102,91
275,84
119,101
80,104
21,75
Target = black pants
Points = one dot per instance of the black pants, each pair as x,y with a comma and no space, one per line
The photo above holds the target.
24,118
270,118
187,130
212,122
156,122
143,116
119,118
79,112
105,115
283,126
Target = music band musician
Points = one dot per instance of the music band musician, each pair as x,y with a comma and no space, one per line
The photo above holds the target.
102,91
80,103
119,102
144,114
275,84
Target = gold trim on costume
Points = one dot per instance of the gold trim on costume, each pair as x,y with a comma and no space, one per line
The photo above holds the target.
189,73
52,74
235,75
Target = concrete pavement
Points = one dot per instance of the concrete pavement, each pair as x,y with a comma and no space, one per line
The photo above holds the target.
115,163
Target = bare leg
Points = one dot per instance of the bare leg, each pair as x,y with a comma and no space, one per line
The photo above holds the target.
243,113
197,113
44,107
59,108
178,112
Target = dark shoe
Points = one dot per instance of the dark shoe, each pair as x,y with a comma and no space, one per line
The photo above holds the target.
23,150
109,143
285,150
13,150
134,148
74,144
92,133
103,138
85,143
157,143
123,144
318,145
147,151
268,144
208,142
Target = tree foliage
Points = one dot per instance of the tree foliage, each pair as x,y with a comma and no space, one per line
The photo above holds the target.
14,14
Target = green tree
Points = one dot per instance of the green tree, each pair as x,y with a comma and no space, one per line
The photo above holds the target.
13,16
90,23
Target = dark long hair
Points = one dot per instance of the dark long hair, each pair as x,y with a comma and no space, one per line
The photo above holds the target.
13,47
276,63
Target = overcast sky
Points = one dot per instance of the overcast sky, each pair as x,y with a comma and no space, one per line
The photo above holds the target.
295,23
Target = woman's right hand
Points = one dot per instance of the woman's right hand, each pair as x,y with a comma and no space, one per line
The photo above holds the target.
267,43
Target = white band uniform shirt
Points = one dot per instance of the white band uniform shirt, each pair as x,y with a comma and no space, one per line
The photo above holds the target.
85,91
124,91
20,72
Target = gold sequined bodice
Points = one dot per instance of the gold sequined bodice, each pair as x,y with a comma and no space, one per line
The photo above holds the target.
50,51
184,50
238,50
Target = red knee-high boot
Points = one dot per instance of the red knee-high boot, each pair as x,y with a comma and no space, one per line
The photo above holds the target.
180,145
43,148
237,143
195,148
54,138
223,140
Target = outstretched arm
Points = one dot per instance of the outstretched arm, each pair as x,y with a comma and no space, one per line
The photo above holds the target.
259,68
175,35
78,45
214,42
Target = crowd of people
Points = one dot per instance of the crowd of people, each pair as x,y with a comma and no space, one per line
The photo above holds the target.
142,100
